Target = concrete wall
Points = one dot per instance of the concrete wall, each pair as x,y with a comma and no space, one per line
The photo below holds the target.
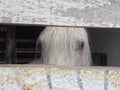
94,13
106,41
39,77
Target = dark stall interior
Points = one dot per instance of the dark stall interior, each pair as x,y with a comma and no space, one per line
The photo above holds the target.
18,45
25,38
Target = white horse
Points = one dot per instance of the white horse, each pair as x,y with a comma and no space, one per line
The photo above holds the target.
64,46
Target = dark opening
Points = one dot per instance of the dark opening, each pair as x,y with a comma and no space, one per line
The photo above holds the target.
25,38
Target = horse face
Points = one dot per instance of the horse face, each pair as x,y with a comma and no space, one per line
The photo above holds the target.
65,46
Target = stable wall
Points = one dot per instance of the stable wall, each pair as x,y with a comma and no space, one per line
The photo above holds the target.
106,41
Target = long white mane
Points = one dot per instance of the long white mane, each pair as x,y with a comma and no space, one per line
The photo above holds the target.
64,46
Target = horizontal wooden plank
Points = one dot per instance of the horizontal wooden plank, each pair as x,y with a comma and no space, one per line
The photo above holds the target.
44,77
82,13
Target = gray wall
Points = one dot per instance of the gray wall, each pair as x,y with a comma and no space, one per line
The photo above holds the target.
106,41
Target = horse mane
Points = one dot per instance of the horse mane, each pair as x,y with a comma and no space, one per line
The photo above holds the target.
59,46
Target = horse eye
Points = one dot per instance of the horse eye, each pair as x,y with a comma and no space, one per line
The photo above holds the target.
82,45
79,46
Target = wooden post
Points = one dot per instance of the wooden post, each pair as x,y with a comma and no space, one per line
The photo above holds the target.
10,45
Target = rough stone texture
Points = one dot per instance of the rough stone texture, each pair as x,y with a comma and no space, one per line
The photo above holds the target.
39,77
87,13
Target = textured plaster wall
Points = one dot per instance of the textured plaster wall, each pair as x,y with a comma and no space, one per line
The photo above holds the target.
58,78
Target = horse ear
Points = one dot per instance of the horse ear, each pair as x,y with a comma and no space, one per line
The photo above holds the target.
79,45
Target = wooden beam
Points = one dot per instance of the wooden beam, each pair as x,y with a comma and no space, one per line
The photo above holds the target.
82,13
10,45
35,77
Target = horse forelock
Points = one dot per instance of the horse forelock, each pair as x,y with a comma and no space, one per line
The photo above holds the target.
60,46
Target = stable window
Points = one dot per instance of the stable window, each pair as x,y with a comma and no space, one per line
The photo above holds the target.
104,45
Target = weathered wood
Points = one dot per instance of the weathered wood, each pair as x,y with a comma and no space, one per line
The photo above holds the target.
87,13
10,45
31,77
